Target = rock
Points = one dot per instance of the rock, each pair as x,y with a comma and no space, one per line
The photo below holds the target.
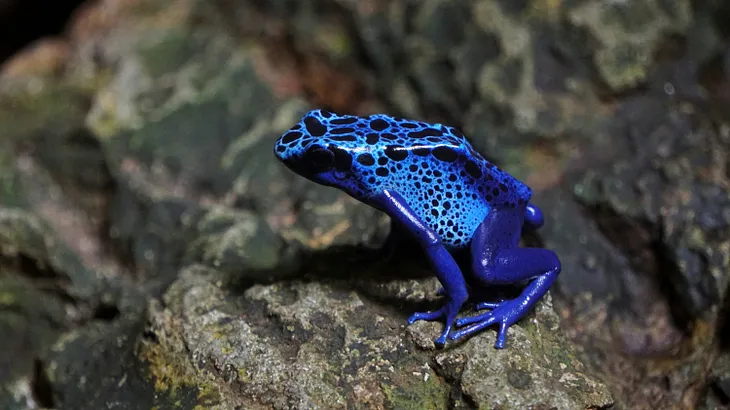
660,195
719,390
536,372
96,367
657,251
624,36
321,344
35,265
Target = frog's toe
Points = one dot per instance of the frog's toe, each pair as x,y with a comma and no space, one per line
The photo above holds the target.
441,340
463,321
479,306
446,314
506,314
487,305
430,316
477,323
442,314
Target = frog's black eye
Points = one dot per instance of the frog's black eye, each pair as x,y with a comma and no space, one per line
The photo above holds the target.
319,159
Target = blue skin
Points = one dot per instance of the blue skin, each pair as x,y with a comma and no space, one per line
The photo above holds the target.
429,179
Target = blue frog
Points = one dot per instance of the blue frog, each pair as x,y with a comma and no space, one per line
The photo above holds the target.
430,181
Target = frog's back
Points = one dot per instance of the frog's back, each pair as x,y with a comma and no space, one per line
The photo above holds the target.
444,180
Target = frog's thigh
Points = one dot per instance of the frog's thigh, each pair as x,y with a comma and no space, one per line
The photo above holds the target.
497,257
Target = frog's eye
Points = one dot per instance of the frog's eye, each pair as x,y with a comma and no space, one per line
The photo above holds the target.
319,159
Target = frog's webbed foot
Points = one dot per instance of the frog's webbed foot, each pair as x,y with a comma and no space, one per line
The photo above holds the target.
504,313
479,306
447,313
485,320
508,312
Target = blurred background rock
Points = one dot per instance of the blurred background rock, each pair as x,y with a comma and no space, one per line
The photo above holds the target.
153,253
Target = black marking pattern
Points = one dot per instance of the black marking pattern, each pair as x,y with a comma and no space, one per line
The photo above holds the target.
444,180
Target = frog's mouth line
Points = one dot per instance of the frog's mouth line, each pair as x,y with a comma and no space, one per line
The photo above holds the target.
307,171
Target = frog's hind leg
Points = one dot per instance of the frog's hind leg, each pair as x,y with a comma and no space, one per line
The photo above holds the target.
498,260
444,265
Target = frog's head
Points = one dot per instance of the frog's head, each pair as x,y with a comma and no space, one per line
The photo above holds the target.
313,149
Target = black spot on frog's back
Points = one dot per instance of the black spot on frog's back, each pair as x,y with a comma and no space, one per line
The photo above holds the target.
344,138
422,151
344,120
291,136
379,124
473,169
342,130
426,132
366,159
445,153
396,153
314,126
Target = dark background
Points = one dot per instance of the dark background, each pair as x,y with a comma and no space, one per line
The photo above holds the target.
21,22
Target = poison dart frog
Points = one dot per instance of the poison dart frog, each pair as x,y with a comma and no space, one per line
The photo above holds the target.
431,182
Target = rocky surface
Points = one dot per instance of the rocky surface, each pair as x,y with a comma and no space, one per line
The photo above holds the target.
180,266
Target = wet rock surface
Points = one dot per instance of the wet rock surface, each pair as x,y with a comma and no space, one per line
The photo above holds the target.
179,265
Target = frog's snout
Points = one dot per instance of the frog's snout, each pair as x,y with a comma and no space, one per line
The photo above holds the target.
307,160
292,145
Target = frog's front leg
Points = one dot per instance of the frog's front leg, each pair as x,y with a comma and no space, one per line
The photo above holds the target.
443,263
498,259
